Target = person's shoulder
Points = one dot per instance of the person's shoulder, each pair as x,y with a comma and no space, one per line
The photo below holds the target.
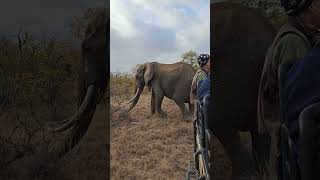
200,71
292,36
292,40
290,47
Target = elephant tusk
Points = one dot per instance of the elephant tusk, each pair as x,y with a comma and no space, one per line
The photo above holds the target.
135,96
84,107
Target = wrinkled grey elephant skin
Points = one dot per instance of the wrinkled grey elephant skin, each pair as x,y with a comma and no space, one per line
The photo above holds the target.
240,38
94,77
165,80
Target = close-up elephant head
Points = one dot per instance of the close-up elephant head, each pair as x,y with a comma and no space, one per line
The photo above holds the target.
143,76
94,78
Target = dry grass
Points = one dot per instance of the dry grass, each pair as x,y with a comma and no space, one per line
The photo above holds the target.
149,147
21,134
88,160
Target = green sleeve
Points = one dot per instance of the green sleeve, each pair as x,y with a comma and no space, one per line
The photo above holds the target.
290,47
201,76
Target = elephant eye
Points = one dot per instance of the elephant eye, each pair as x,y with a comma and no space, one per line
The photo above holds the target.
138,75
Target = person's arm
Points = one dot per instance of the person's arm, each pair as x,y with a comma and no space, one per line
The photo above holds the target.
291,47
202,76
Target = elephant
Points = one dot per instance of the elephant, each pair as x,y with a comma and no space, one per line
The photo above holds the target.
239,41
164,80
94,77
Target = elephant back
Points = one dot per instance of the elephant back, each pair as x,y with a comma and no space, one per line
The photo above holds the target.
239,41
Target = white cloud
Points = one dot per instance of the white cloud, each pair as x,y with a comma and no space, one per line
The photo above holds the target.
121,20
144,30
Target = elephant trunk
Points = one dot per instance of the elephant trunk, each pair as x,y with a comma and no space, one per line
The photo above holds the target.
135,99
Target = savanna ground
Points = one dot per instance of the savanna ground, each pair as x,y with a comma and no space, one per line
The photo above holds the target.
150,147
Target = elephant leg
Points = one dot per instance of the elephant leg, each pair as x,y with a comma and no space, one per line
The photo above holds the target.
240,157
191,107
158,102
153,106
260,151
183,109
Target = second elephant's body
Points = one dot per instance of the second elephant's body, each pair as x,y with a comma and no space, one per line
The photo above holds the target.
165,80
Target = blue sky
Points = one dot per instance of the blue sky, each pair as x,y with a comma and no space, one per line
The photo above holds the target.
145,30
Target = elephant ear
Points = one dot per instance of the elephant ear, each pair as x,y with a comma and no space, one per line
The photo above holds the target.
149,73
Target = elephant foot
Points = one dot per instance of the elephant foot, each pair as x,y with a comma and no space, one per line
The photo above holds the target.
150,115
124,114
163,115
187,117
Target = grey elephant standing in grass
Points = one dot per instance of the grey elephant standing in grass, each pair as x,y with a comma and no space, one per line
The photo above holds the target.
240,41
165,80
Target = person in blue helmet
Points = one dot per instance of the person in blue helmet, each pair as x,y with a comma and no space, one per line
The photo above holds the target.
202,73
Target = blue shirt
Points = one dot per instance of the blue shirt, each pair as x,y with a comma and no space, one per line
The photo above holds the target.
204,87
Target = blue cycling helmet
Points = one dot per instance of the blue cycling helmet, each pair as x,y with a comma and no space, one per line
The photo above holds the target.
203,59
